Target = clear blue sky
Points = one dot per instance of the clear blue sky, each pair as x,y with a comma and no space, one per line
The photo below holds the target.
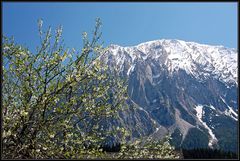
126,23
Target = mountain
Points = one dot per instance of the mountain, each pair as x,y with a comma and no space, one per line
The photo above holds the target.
183,88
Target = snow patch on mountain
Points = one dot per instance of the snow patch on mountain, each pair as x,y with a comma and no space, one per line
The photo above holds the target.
230,112
200,113
130,69
212,107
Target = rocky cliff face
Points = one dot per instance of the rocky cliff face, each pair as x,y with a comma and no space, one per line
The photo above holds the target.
183,88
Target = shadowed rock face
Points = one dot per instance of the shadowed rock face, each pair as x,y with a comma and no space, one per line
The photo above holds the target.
183,88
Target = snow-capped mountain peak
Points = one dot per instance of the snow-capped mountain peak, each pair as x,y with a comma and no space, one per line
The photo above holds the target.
184,88
198,60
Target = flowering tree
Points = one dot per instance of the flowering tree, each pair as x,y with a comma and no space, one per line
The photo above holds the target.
56,101
53,103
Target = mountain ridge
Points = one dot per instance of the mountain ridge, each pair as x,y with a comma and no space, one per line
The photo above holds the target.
151,41
183,88
191,60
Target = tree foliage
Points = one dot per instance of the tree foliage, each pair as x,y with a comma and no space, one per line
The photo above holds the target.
56,101
47,95
147,148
